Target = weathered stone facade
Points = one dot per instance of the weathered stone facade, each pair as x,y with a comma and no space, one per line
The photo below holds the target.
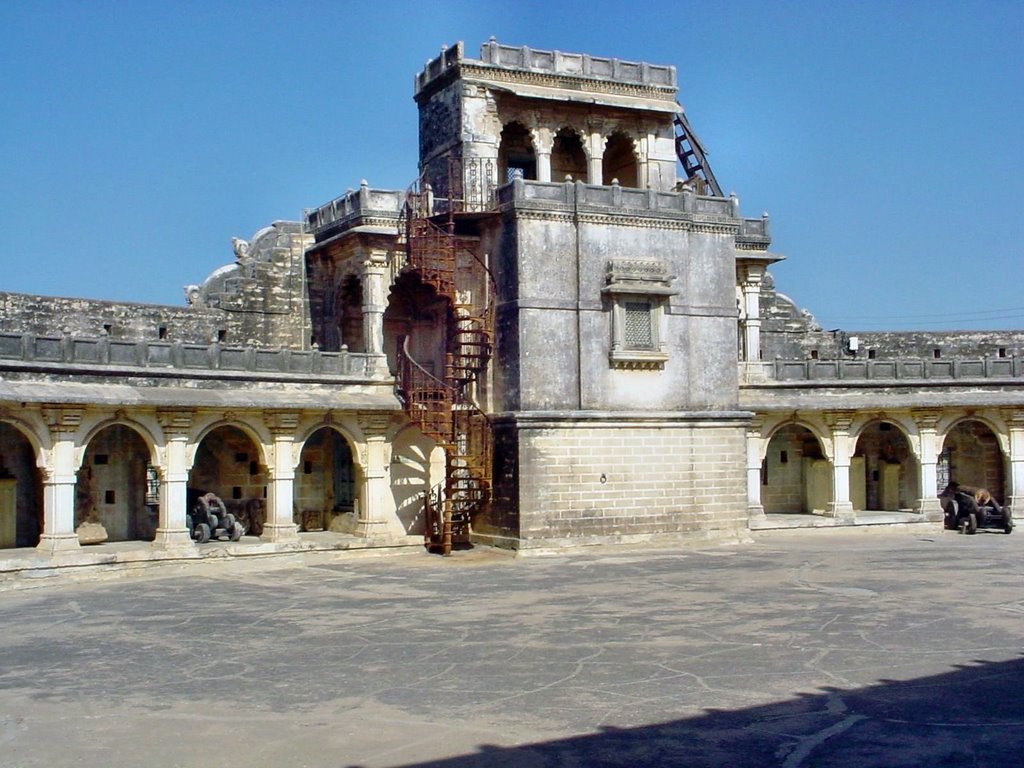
645,380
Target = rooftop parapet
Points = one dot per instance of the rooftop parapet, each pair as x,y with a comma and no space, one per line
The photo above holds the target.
904,370
718,209
583,66
75,354
361,207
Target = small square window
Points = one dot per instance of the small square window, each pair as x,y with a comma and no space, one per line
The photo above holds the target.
638,332
636,293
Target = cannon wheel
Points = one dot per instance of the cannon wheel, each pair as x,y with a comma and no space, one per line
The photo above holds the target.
236,531
202,534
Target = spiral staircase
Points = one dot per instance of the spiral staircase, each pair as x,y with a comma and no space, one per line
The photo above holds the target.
444,407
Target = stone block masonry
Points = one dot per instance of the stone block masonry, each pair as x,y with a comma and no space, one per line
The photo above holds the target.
602,479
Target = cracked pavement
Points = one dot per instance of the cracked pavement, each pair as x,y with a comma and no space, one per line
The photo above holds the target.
804,648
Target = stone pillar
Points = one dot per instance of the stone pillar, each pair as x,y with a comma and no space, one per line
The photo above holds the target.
376,520
375,281
750,280
542,144
840,507
928,502
754,445
280,525
59,482
172,532
1015,497
595,158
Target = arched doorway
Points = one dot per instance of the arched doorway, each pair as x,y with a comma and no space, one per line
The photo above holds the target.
972,457
883,470
796,478
325,483
619,161
21,490
415,312
516,157
228,464
112,485
568,157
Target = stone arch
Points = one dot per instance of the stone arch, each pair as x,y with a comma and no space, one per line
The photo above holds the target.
516,153
883,469
327,481
21,488
796,475
113,486
229,462
620,161
417,465
568,156
971,455
416,312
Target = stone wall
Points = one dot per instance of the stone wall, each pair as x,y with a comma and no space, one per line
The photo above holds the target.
789,332
612,479
558,249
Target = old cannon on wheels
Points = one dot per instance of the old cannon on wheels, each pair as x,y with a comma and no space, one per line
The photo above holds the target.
967,511
210,519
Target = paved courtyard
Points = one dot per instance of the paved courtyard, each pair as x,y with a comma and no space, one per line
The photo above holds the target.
804,648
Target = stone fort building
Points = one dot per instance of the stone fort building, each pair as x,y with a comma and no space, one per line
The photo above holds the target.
562,333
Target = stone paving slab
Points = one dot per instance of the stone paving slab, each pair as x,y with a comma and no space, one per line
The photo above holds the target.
837,647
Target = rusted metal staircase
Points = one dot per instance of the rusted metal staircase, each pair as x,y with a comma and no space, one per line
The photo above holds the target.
443,407
692,155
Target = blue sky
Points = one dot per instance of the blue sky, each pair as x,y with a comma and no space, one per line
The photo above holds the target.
884,139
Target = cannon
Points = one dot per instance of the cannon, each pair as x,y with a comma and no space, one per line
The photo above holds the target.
210,519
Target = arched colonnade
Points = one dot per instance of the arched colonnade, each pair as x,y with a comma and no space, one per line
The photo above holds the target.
135,474
839,462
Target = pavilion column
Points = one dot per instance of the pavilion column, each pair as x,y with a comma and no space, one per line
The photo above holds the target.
59,482
841,507
755,443
542,144
750,280
1015,497
595,159
172,532
280,525
376,518
375,301
927,503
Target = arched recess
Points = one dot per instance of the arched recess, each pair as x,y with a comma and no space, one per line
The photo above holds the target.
971,455
117,486
326,482
228,464
568,157
417,466
883,469
516,156
620,161
21,490
416,312
796,477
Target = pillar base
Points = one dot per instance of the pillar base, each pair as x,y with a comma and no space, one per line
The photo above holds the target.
755,510
374,529
842,512
280,534
173,539
54,543
931,509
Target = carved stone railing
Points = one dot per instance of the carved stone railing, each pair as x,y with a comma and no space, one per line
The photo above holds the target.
902,370
364,205
631,198
78,353
522,57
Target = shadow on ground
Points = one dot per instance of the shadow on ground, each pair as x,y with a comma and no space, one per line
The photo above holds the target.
972,716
